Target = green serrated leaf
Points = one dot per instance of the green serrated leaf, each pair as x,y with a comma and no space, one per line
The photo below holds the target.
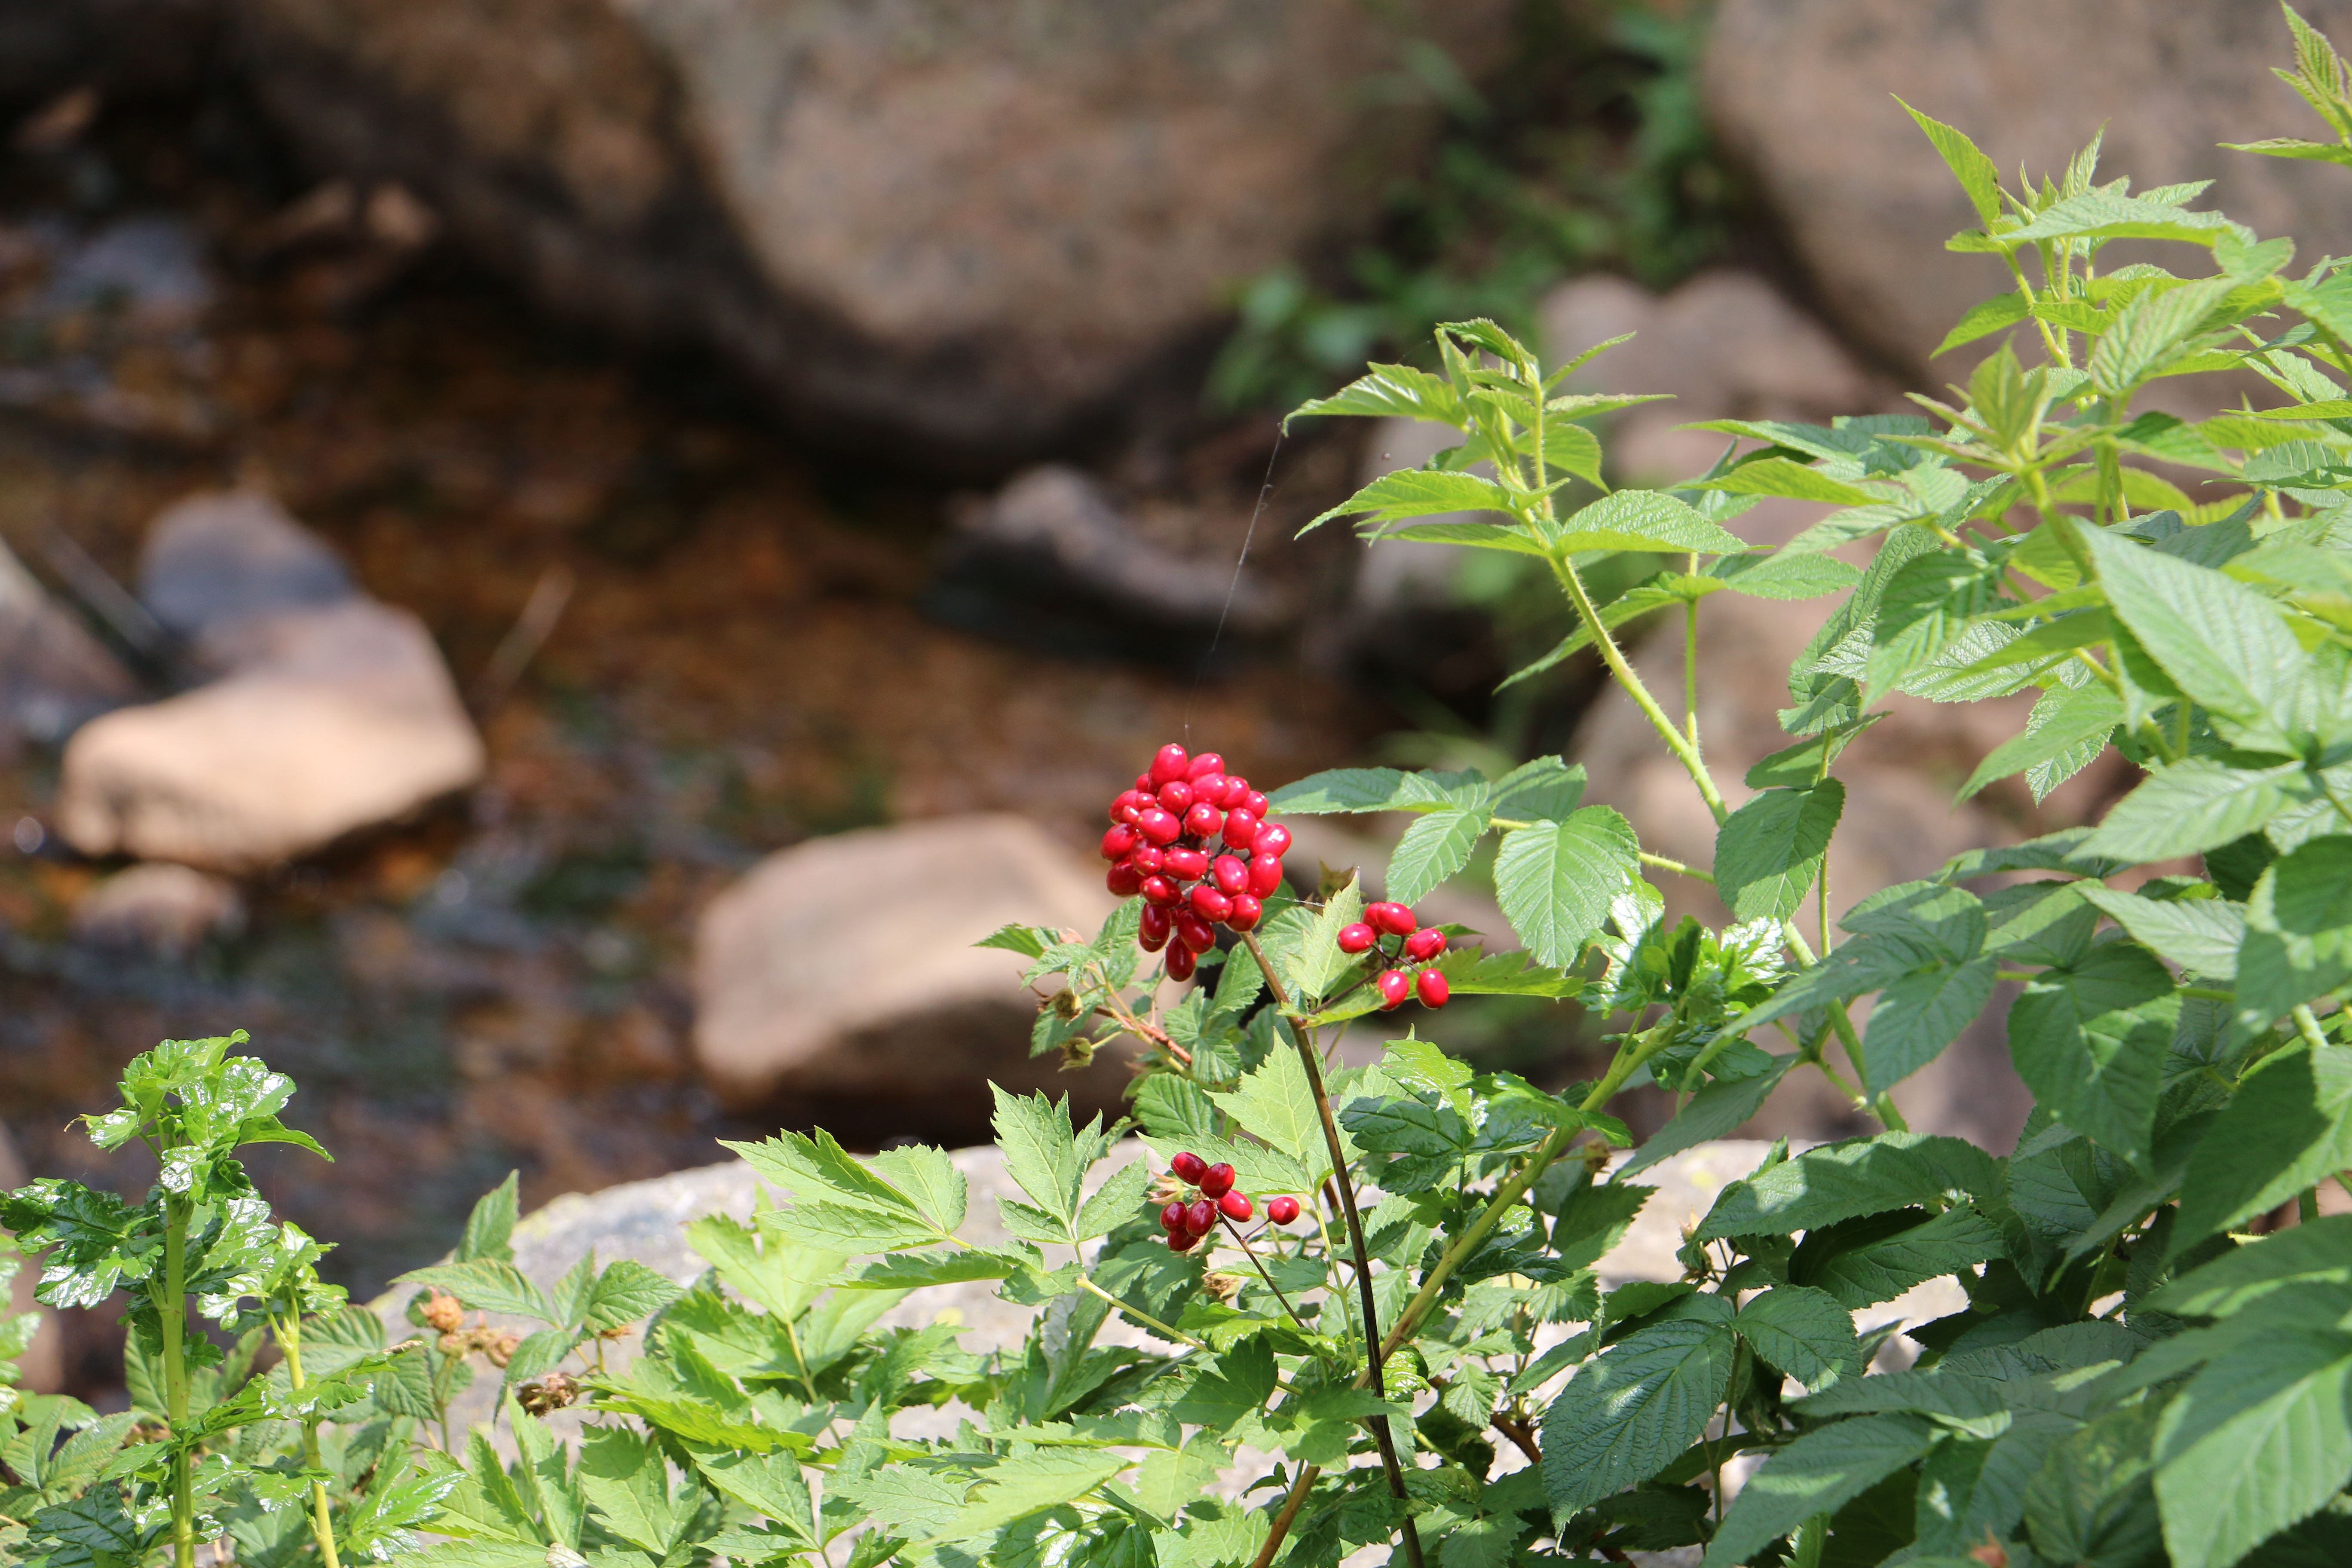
1556,880
1768,852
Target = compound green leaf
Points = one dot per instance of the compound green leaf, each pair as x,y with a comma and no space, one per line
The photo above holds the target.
1555,879
1389,392
1978,174
1640,519
1768,852
2191,806
2298,941
2091,1042
2288,1129
1917,1017
1434,849
2317,1250
2258,1441
1844,1181
1817,1474
1804,1333
1631,1411
1419,493
1786,478
2201,935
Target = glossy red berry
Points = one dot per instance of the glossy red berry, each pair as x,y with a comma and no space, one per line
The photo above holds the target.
1206,763
1208,788
1265,875
1432,988
1235,1207
1232,875
1160,825
1357,938
1257,802
1425,944
1125,805
1172,1219
1201,1217
1120,842
1237,791
1181,1241
1177,796
1395,986
1180,961
1282,1210
1273,839
1186,864
1245,913
1155,929
1171,764
1187,1167
1204,820
1194,932
1159,889
1216,1181
1209,904
1148,859
1394,919
1124,881
1241,829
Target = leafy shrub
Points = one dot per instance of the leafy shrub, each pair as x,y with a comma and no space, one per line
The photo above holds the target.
2140,1374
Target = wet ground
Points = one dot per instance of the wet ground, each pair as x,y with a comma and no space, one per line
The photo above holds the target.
739,662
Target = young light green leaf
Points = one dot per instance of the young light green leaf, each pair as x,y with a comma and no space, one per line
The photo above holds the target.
1418,492
1982,320
1275,1102
1640,520
1978,174
1389,391
1555,881
2066,731
1793,480
1316,964
1041,1151
2201,935
1434,849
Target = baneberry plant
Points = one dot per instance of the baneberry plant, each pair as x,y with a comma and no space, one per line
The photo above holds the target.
1411,1351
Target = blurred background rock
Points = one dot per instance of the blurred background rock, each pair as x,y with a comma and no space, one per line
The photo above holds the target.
515,520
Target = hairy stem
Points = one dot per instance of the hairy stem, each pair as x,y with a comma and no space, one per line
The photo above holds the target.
171,1319
1684,751
289,1341
1176,1336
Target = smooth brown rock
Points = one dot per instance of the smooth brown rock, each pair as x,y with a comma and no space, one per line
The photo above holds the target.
968,223
1803,92
844,968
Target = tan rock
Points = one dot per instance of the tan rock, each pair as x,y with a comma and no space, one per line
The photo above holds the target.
159,909
844,967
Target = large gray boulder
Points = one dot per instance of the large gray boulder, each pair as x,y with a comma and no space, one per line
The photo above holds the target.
969,224
843,971
330,713
1802,91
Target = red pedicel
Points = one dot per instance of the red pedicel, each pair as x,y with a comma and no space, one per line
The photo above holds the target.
1265,875
1172,763
1432,988
1425,944
1187,1167
1235,1207
1395,986
1246,912
1282,1210
1216,1181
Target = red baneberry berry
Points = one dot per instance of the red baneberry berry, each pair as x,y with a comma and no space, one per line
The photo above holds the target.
1124,881
1187,1167
1157,925
1432,988
1204,820
1194,932
1425,944
1187,865
1357,938
1235,1207
1172,1219
1181,1241
1282,1210
1149,859
1171,764
1394,919
1159,889
1208,788
1265,875
1257,802
1273,840
1395,986
1129,805
1232,875
1236,793
1216,1181
1180,961
1177,796
1201,1217
1209,904
1120,842
1160,825
1245,913
1240,831
1203,766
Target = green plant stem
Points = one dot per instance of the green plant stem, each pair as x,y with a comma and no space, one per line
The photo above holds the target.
1684,751
2307,1025
172,1314
1661,863
1373,1352
1690,660
1177,1336
290,1340
1249,1252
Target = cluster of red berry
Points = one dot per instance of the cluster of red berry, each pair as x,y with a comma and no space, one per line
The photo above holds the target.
1187,1223
1383,923
1158,846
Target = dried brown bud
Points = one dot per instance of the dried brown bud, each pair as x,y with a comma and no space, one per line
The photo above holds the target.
1993,1554
553,1392
501,1348
1165,1189
1221,1286
443,1311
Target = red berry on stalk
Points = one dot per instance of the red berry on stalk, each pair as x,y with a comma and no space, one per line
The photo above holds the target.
1246,912
1118,842
1181,961
1187,1167
1357,938
1208,788
1124,881
1241,829
1181,1241
1160,825
1265,875
1148,859
1159,889
1257,802
1394,919
1210,904
1204,820
1172,1219
1432,988
1186,864
1236,793
1193,932
1235,1207
1425,944
1282,1210
1177,796
1172,763
1204,765
1232,875
1273,839
1201,1217
1157,926
1216,1181
1120,803
1395,986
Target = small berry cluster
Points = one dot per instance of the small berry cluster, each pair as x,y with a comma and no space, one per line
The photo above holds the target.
1383,923
1187,1223
1158,846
